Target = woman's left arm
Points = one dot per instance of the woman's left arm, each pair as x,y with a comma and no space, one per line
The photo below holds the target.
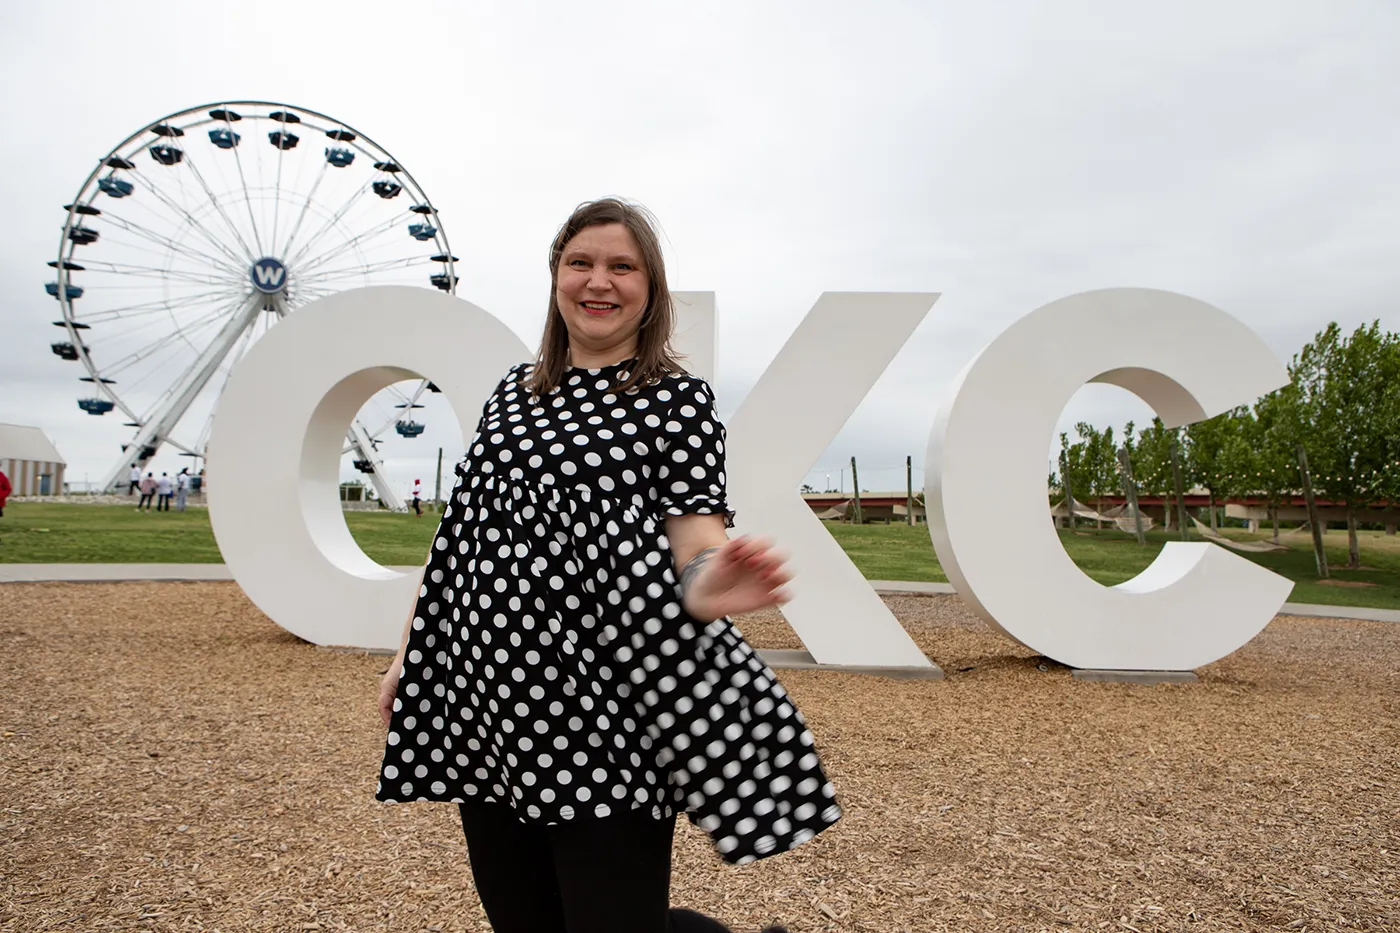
719,576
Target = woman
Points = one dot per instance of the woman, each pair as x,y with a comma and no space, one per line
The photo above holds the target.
568,675
148,492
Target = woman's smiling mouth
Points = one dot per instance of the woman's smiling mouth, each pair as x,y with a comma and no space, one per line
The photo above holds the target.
597,307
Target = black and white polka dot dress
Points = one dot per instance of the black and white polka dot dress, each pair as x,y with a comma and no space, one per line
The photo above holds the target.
550,666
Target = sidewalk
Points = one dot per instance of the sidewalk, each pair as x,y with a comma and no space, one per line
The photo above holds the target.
107,573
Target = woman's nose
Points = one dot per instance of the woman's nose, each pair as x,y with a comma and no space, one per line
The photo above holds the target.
599,280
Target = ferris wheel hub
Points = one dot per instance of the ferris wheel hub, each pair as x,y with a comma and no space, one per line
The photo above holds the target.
269,276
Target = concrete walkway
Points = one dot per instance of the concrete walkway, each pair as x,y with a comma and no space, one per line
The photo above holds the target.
107,573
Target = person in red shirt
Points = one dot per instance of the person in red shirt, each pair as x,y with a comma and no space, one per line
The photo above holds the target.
5,488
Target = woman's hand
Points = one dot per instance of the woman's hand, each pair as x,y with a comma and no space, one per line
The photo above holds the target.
389,688
742,575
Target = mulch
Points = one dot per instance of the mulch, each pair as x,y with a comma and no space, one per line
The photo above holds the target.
171,760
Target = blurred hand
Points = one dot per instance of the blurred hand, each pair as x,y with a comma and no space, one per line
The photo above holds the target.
389,688
744,575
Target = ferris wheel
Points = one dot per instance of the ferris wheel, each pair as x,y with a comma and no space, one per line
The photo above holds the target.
199,232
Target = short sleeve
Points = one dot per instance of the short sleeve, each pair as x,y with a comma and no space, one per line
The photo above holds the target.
690,477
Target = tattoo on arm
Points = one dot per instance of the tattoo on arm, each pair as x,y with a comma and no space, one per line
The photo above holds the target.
694,566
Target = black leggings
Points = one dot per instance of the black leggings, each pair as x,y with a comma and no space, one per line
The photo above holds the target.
610,875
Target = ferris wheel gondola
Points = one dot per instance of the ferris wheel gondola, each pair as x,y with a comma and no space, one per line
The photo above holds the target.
198,232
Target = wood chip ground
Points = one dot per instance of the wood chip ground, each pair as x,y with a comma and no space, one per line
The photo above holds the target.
173,761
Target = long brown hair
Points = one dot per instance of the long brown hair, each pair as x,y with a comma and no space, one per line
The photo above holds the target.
655,357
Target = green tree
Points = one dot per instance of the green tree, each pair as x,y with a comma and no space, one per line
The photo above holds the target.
1273,437
1093,463
1212,455
1152,465
1350,416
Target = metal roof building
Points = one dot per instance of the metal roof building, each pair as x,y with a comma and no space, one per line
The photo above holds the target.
31,461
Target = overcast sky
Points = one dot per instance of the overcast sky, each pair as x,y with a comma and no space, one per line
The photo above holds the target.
1004,154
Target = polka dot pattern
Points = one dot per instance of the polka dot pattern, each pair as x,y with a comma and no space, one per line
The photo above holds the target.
550,665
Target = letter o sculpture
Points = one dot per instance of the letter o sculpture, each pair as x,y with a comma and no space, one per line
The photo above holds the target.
276,442
986,495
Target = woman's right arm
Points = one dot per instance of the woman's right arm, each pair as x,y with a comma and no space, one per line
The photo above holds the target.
389,686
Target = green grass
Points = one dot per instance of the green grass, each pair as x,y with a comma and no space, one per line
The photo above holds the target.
58,533
61,533
898,552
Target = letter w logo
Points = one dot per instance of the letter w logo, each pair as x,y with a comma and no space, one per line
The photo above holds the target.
269,275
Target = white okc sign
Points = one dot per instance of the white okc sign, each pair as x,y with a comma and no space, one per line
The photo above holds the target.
276,444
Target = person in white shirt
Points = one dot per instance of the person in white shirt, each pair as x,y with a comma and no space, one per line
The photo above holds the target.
163,489
182,489
135,478
418,497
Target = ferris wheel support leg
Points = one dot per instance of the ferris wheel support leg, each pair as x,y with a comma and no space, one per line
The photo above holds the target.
163,420
364,450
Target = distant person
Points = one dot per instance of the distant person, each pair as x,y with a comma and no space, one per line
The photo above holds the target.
164,489
5,488
418,497
148,492
135,479
182,488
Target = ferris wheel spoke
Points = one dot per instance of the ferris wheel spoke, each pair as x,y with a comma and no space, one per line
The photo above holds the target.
193,221
175,212
167,339
170,244
277,201
247,199
349,272
304,265
218,206
132,270
179,446
160,245
306,206
129,316
355,198
164,253
162,304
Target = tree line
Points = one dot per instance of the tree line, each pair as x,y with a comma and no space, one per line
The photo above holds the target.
1338,419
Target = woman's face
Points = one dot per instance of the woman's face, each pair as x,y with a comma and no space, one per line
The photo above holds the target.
601,287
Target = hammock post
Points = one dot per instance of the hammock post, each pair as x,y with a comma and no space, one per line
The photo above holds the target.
855,492
1130,493
1313,517
909,490
1180,491
437,484
1069,493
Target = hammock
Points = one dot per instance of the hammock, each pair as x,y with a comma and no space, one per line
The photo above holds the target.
1257,547
1121,516
1080,511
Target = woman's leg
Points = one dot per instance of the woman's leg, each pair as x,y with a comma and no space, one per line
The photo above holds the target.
615,873
513,870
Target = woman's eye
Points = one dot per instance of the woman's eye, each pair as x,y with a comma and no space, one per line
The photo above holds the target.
623,267
577,263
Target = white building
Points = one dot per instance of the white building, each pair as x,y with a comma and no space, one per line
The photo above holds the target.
30,460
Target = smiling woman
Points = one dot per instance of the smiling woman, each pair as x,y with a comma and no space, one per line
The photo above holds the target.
609,301
569,675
